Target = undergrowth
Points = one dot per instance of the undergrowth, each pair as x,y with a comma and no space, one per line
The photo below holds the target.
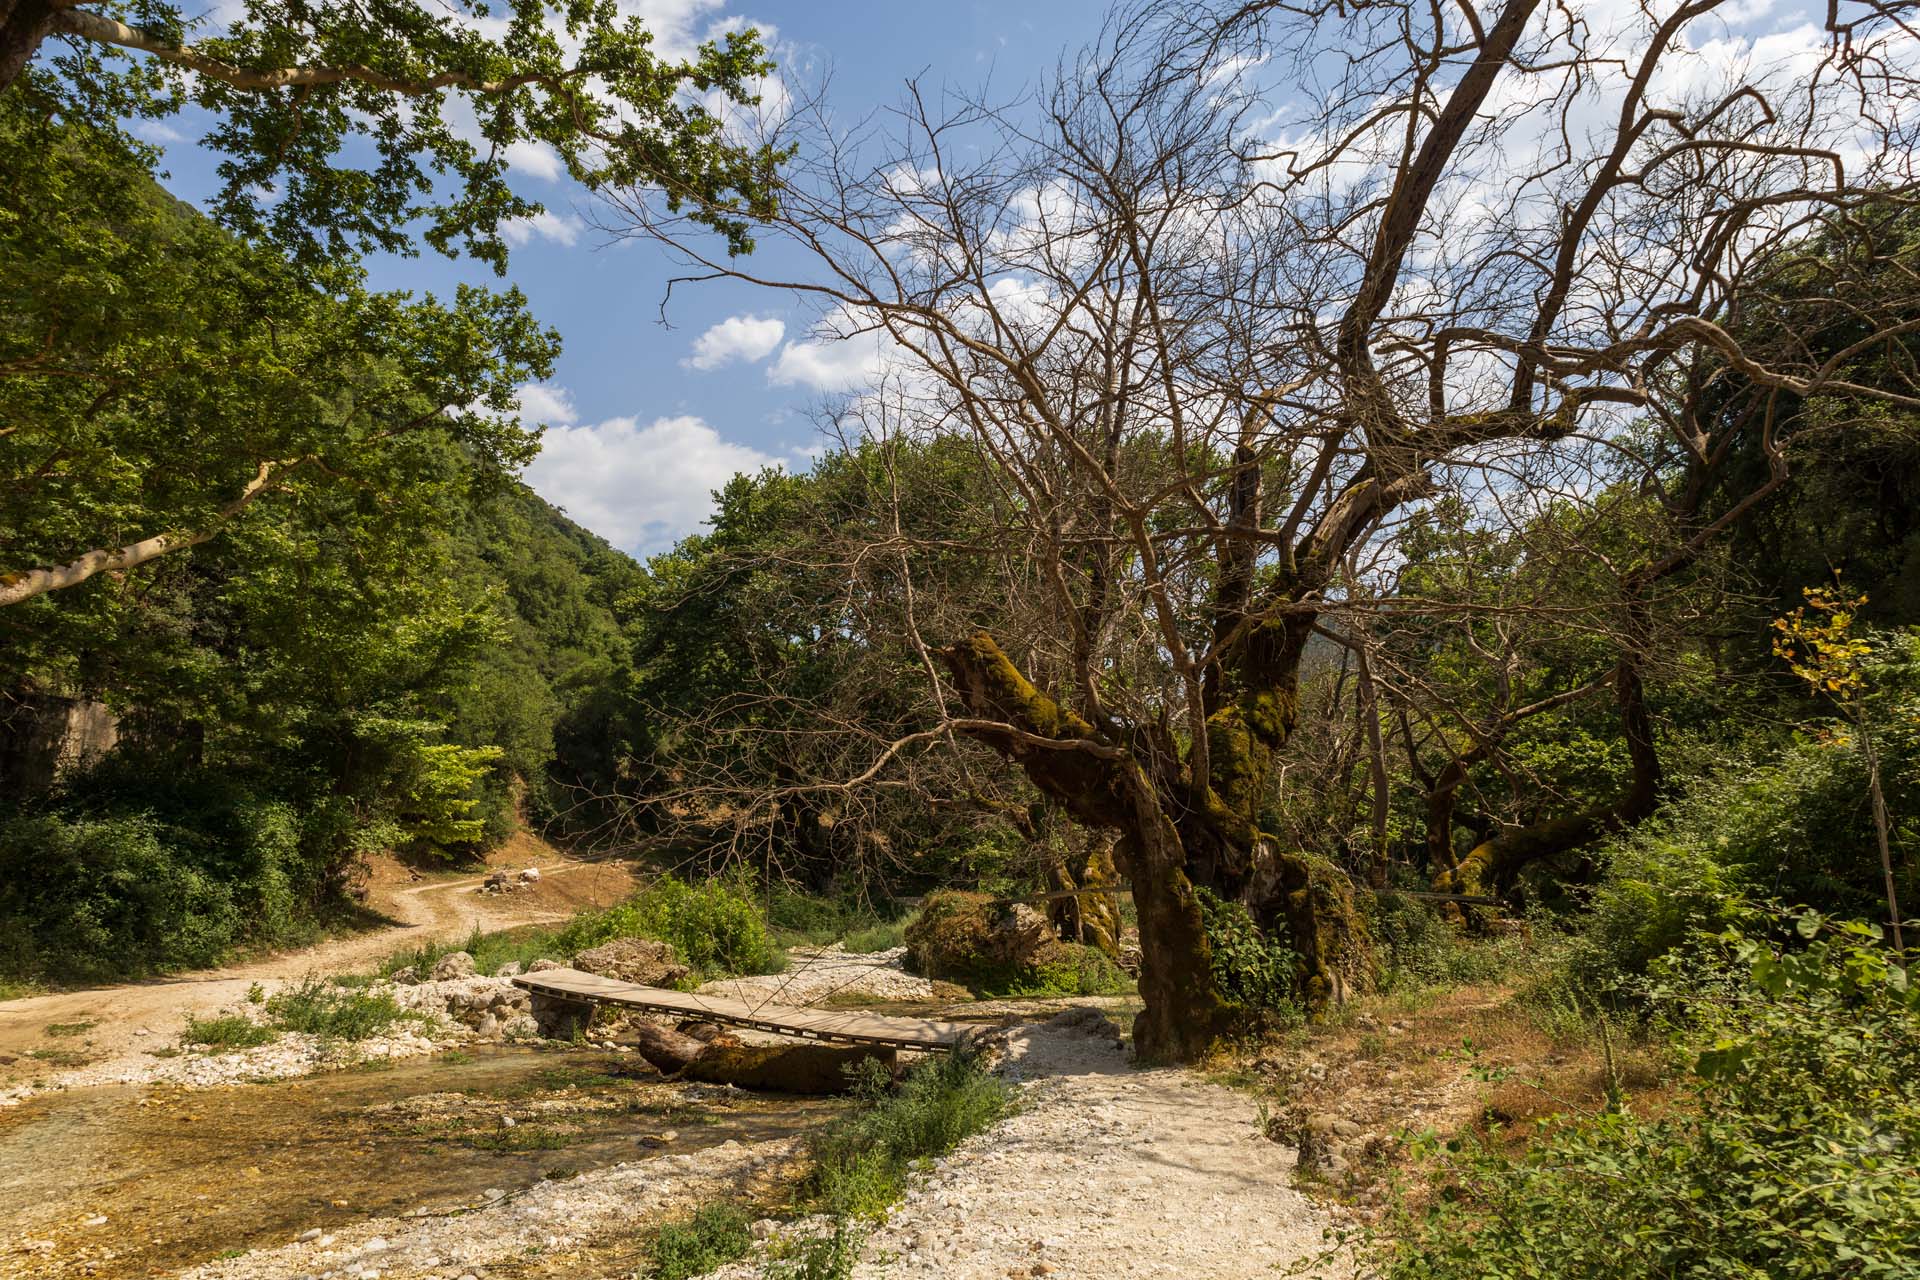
227,1034
318,1007
716,1235
1792,1156
861,1160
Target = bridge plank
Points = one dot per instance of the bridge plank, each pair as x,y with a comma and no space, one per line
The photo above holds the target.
843,1026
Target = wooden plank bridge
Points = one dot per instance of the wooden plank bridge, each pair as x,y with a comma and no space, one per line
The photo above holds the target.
570,987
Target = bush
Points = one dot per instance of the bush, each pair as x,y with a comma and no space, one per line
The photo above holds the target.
715,927
1658,890
1259,974
861,1159
1795,1155
127,873
318,1007
224,1035
716,1235
96,899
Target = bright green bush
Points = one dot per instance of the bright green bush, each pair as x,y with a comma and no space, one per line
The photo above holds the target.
319,1007
1258,973
1798,1155
714,925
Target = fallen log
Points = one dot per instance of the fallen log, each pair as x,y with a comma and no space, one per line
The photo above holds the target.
722,1058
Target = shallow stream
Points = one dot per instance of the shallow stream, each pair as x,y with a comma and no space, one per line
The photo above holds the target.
184,1176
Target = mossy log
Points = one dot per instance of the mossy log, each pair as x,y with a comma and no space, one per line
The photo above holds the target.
723,1058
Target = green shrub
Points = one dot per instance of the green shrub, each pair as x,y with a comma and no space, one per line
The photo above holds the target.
96,899
1798,1154
224,1035
1419,948
827,1257
716,1235
861,1159
318,1007
1257,973
715,927
1658,890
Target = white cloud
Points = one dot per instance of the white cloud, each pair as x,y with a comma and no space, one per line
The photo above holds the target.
747,338
535,159
544,404
561,228
641,487
831,363
157,131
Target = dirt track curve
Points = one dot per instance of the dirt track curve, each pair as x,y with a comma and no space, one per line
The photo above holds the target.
420,912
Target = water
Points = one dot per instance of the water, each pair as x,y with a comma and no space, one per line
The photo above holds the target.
183,1176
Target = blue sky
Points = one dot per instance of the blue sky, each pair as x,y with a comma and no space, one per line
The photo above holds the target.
648,418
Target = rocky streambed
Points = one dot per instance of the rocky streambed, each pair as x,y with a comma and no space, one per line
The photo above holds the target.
152,1180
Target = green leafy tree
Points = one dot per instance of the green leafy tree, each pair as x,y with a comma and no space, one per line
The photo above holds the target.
160,378
299,92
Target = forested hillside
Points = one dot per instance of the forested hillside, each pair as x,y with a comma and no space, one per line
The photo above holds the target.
348,628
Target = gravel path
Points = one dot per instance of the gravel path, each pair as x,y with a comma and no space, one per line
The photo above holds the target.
818,974
1105,1173
120,1026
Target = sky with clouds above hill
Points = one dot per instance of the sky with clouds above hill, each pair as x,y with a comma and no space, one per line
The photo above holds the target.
656,402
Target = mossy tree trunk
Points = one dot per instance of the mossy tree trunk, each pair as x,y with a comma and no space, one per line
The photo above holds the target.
1141,788
1092,915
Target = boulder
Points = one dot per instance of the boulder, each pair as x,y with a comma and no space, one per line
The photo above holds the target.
543,964
455,964
641,960
407,977
1003,949
530,876
511,969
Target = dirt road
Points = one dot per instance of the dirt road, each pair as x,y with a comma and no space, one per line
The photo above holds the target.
108,1021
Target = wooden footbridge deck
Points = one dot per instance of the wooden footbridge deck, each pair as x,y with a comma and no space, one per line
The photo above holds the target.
570,986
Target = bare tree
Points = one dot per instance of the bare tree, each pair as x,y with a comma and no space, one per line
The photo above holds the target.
1237,296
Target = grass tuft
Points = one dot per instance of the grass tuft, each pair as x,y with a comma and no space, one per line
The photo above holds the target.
718,1234
318,1007
861,1160
225,1035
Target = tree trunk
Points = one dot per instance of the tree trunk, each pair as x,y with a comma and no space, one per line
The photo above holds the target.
23,25
1102,785
1089,917
1491,867
1168,844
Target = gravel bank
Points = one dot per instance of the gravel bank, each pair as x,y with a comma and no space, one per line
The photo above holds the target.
453,1012
560,1223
